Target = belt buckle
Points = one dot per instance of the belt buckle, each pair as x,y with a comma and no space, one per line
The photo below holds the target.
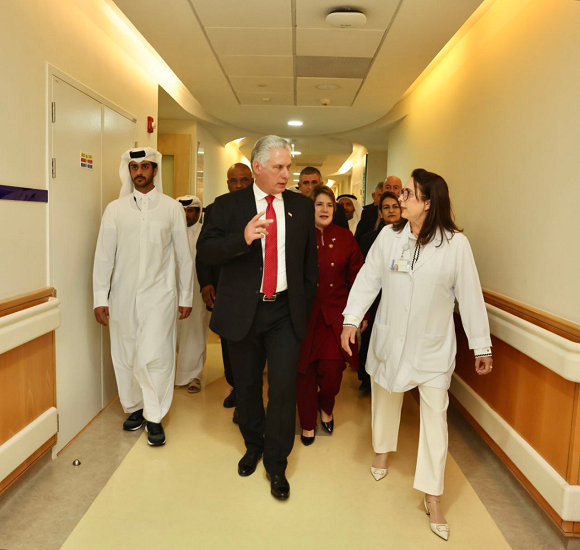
266,299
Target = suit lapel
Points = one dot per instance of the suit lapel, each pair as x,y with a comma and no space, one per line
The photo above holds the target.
288,218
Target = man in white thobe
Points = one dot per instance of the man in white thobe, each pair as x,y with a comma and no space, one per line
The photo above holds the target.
353,210
192,333
142,235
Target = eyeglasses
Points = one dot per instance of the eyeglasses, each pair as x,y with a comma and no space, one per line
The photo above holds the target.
406,193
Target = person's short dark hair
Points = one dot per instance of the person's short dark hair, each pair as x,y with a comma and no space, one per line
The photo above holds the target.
432,187
324,190
310,170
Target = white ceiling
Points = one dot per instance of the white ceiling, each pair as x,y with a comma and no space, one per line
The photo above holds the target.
246,61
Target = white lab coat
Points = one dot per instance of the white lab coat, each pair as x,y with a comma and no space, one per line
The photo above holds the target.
413,340
192,332
135,261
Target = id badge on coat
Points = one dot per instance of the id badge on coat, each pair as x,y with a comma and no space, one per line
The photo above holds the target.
402,264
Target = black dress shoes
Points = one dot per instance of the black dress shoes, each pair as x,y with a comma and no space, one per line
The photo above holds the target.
247,465
279,486
306,440
230,400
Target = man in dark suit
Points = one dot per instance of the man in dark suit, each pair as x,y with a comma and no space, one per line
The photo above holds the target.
239,177
267,285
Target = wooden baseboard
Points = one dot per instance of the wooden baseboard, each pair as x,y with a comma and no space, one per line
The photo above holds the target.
28,463
567,528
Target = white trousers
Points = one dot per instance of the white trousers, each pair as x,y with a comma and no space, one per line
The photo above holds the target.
192,336
433,439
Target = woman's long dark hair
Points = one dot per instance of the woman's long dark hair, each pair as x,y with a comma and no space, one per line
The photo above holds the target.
440,217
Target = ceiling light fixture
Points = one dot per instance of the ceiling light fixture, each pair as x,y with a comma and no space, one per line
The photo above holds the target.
296,153
296,173
295,123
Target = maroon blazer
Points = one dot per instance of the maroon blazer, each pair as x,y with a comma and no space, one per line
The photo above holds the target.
339,261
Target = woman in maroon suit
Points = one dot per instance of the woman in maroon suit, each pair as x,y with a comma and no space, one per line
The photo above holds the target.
322,360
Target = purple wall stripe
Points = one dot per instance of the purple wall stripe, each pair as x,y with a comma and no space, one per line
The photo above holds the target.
9,193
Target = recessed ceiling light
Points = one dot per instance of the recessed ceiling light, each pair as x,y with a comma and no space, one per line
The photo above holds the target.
296,174
328,86
296,180
295,123
294,153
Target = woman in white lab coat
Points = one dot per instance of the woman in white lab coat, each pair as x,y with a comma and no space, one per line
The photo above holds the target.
421,265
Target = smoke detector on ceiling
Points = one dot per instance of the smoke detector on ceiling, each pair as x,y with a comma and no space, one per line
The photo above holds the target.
346,18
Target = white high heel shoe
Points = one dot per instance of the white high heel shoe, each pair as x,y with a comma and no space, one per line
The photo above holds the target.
440,529
379,473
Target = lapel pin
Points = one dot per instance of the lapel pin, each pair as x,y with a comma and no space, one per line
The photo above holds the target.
290,214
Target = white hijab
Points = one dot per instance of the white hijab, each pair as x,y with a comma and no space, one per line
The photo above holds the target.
139,154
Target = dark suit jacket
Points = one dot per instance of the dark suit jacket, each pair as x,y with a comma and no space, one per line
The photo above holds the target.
339,217
206,274
222,243
368,219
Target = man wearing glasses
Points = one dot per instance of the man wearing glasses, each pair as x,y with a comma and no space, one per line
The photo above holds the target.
239,177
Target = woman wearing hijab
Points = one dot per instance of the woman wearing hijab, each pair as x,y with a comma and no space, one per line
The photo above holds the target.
389,213
321,359
422,267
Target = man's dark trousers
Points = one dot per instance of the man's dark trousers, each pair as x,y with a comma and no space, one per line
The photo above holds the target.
271,338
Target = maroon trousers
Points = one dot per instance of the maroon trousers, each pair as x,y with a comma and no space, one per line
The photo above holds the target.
317,388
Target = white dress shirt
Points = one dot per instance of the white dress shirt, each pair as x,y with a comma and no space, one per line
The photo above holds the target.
278,204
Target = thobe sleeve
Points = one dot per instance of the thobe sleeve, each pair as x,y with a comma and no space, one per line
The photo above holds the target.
367,284
470,297
183,255
104,258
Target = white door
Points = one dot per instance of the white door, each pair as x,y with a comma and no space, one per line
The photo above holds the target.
75,215
119,134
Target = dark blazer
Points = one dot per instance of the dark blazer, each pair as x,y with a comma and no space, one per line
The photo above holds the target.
206,274
368,219
222,243
339,217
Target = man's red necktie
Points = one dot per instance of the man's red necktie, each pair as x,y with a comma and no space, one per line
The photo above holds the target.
271,252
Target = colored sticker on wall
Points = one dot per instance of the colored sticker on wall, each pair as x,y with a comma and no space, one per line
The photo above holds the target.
86,161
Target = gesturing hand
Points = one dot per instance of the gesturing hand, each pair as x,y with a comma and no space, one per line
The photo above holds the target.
483,365
347,337
256,228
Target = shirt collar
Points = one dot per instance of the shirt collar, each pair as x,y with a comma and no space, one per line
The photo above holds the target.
259,194
139,196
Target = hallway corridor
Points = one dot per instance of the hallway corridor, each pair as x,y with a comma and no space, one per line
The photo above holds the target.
203,503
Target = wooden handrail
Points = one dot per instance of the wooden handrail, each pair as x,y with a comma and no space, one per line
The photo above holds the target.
556,325
23,301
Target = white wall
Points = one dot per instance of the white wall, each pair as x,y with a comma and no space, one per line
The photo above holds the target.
85,40
498,118
376,171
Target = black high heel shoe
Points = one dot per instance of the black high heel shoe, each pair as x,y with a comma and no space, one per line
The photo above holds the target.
327,426
306,441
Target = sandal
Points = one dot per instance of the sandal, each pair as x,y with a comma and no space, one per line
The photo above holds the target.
194,386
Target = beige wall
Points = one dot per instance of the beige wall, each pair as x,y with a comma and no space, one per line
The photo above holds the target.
218,158
376,172
499,119
86,40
